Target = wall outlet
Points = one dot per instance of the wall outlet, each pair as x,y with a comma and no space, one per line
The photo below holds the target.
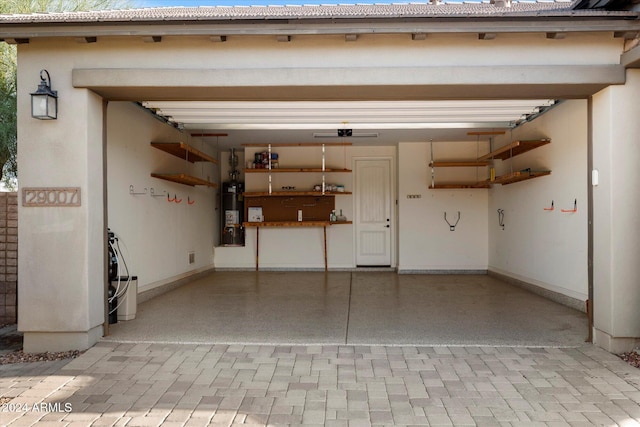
192,257
414,196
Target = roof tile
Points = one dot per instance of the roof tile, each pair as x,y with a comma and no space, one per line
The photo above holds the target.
322,11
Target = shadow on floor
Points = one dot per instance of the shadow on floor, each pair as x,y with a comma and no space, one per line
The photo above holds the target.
10,339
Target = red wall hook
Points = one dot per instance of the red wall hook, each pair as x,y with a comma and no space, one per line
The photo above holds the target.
551,208
189,201
575,207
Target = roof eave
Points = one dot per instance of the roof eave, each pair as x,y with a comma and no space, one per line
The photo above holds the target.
400,25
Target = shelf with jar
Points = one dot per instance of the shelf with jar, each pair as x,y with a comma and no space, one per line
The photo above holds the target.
291,198
506,152
270,162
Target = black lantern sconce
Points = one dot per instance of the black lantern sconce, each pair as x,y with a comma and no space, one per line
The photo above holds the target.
44,101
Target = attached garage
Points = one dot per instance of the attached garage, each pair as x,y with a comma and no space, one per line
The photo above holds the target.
380,99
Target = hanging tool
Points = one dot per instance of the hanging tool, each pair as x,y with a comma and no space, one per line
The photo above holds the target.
452,227
501,218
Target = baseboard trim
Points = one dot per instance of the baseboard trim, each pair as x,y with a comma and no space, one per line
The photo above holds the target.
615,345
565,300
418,271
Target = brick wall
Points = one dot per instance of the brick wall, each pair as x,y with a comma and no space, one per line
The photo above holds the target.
8,257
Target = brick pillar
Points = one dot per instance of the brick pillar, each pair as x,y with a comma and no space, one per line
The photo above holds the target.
8,258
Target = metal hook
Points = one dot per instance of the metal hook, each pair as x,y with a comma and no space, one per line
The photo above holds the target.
452,227
153,193
575,207
501,218
133,193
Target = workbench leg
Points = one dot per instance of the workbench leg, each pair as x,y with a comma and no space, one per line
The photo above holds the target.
325,247
257,247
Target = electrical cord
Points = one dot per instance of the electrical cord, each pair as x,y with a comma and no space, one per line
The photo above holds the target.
121,289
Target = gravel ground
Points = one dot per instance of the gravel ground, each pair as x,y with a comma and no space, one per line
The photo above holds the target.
632,358
11,349
21,357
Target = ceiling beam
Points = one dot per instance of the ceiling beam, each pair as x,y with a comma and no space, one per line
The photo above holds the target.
343,77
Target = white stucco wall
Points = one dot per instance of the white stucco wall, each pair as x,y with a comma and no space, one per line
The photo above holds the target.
616,204
332,51
156,236
425,241
61,253
546,248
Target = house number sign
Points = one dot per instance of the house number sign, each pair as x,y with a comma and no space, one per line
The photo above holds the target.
51,196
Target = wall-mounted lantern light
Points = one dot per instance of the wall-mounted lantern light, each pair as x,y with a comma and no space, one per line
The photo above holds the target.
44,101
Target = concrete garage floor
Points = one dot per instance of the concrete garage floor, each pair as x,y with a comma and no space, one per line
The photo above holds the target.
368,308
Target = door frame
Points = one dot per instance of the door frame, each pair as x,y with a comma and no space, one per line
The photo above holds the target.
393,243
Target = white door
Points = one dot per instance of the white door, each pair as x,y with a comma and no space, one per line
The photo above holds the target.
373,212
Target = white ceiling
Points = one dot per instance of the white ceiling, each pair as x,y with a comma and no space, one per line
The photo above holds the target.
372,122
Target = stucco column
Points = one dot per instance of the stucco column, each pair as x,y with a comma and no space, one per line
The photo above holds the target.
61,251
616,218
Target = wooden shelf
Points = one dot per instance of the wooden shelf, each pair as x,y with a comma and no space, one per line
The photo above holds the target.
514,149
518,176
182,178
295,170
295,223
184,151
294,193
459,163
467,185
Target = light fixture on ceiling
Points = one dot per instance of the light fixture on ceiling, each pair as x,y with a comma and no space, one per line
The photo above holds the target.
44,101
341,133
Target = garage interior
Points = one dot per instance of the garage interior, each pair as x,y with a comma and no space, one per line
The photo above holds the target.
291,300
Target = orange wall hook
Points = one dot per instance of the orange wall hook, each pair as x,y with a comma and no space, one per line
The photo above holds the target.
550,208
575,207
169,199
189,201
175,199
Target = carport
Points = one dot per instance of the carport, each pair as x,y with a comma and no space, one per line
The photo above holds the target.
104,64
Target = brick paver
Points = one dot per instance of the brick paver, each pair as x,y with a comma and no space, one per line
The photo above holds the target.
147,385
